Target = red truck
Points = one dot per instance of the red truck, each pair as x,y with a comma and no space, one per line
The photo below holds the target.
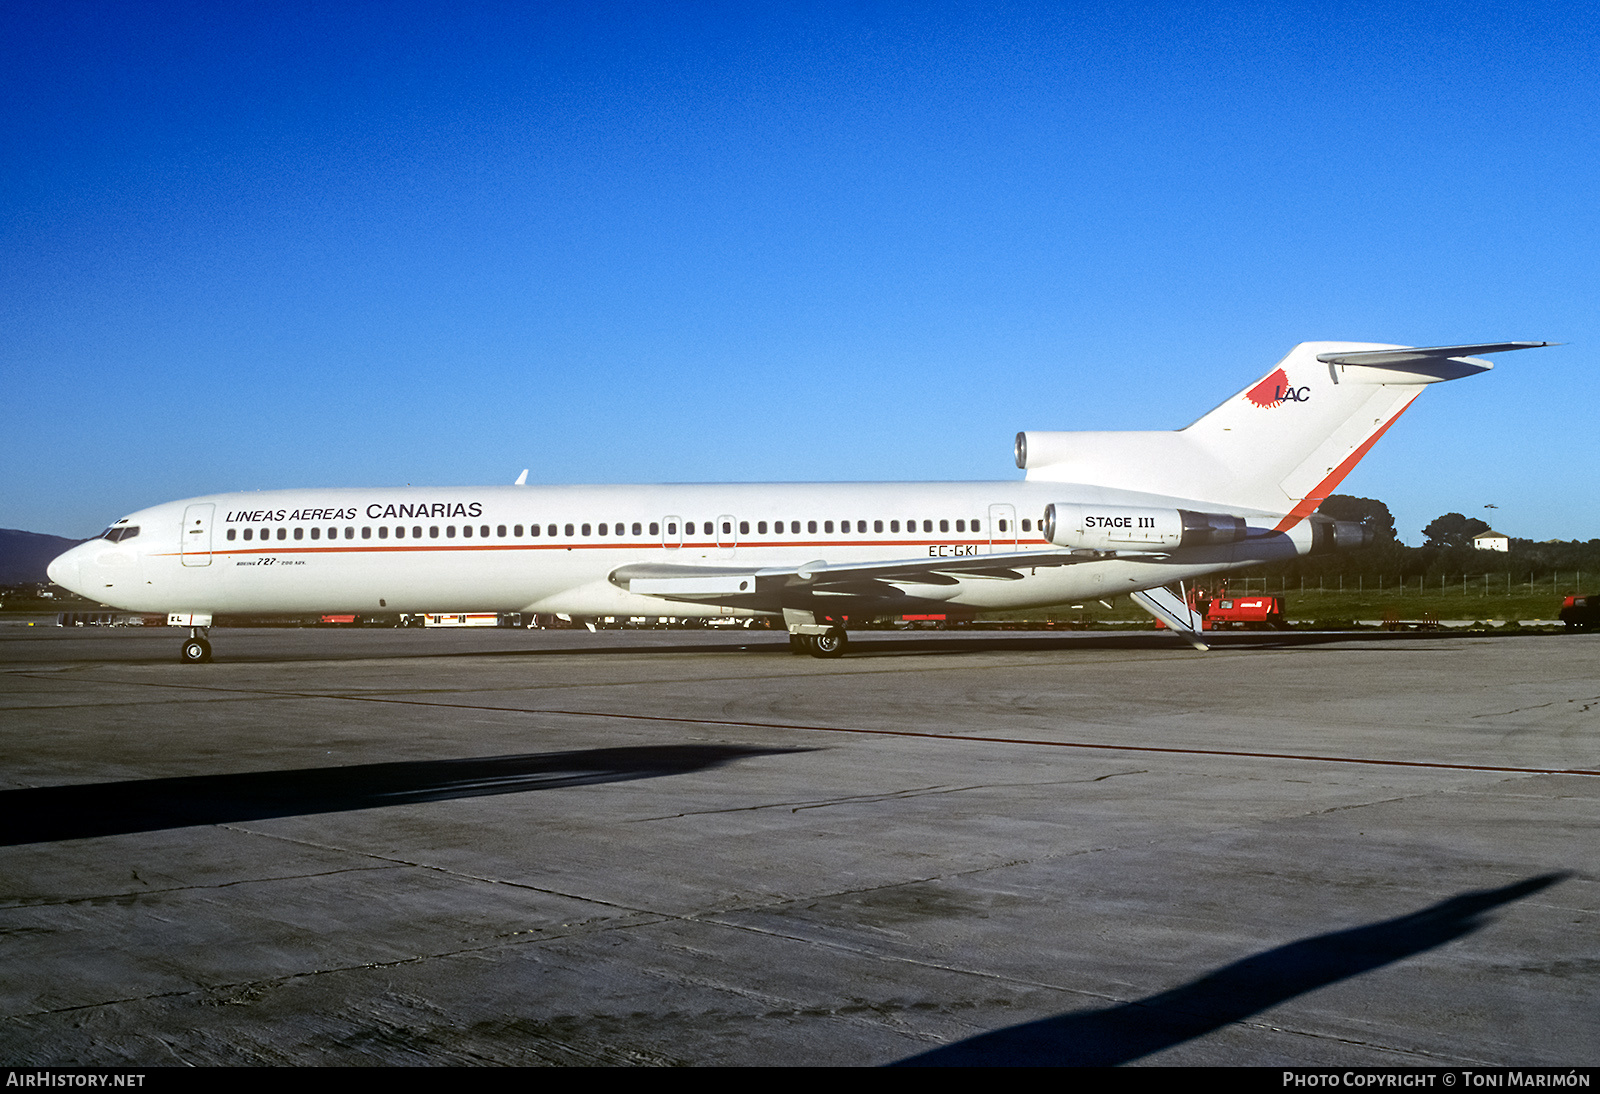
1222,612
1580,612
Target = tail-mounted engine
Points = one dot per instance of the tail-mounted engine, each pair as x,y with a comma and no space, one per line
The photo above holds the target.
1328,536
1132,528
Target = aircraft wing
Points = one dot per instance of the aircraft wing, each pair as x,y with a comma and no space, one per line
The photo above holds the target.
713,583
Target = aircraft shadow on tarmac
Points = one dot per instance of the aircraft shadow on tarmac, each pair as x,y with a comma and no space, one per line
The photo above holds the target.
929,644
44,814
1118,1035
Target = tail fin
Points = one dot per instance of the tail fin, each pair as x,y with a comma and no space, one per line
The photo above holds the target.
1282,445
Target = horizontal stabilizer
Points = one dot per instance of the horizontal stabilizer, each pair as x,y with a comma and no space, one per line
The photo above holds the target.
1393,358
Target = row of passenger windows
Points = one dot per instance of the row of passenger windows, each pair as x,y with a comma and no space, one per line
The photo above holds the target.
620,528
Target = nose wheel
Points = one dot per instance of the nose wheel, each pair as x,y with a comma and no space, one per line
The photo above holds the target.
196,650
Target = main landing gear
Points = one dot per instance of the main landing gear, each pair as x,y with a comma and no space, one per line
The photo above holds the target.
196,650
829,644
820,636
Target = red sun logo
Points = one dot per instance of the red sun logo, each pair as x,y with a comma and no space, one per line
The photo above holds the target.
1269,392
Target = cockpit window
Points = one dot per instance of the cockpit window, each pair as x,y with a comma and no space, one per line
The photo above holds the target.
118,534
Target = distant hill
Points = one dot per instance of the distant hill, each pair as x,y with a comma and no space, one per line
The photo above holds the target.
24,555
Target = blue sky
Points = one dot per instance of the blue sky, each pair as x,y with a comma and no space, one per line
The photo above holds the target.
250,246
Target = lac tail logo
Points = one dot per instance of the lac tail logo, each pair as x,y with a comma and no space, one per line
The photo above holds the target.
1275,389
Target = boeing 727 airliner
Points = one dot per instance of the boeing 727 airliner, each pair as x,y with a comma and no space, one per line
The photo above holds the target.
1098,514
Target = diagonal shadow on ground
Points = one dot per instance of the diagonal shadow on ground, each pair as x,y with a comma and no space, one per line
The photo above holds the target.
43,814
1117,1035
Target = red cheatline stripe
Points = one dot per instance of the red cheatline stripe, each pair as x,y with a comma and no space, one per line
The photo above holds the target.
561,546
1317,496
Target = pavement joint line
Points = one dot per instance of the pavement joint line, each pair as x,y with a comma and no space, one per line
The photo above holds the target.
1539,706
442,870
1434,765
504,942
15,905
972,738
868,799
1376,1045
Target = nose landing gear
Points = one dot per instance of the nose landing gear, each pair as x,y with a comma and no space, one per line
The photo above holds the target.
196,650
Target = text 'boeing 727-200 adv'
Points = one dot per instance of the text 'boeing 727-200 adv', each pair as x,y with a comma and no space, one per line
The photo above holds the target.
1098,514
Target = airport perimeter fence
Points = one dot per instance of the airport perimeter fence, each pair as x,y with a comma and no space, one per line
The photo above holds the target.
1482,586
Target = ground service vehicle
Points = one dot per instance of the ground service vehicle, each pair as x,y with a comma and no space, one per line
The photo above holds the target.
1580,612
1247,612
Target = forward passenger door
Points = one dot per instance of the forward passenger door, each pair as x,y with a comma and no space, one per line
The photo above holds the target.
195,543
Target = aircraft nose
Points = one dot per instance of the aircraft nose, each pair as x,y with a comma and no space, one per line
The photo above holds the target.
63,570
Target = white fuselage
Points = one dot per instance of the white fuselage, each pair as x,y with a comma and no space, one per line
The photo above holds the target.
554,548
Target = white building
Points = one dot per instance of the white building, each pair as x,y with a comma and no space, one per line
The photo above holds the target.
1491,541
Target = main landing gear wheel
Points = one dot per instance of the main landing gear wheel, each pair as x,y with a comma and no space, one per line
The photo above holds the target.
831,644
195,651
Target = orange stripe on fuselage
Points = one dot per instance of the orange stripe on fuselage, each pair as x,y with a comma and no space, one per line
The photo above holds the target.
392,549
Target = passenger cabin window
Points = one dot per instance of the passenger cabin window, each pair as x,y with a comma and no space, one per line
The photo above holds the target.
1027,525
811,527
366,533
349,533
299,533
231,533
466,531
383,531
449,531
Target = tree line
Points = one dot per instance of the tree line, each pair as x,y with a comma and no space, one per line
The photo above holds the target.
1447,554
